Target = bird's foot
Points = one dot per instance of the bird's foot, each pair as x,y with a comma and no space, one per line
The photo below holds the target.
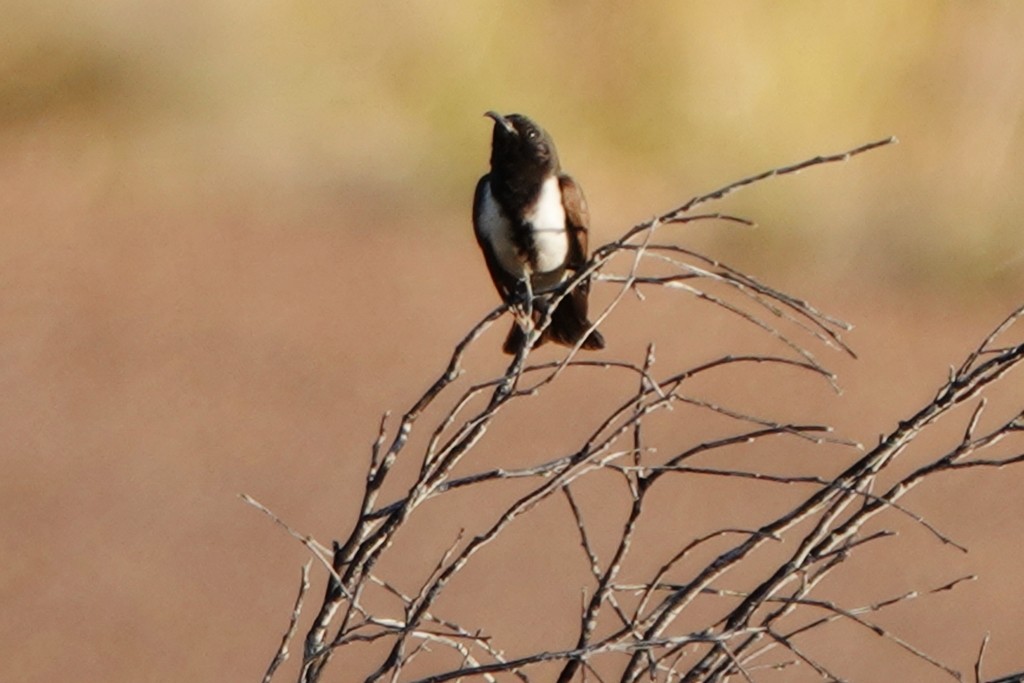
522,302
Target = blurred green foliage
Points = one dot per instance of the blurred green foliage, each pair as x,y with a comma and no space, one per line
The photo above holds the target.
649,102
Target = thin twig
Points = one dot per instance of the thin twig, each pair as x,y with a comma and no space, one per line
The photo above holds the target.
281,656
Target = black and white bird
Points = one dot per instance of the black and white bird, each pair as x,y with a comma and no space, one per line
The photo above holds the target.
531,222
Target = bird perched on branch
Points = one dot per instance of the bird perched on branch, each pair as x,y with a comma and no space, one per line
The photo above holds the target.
531,222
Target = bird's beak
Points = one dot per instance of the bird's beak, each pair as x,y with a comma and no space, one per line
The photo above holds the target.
502,121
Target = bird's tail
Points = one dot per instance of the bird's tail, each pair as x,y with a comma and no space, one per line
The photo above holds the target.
568,326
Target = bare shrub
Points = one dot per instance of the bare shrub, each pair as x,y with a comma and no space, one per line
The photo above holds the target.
632,629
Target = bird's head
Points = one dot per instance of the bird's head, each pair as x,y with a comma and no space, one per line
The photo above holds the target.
521,147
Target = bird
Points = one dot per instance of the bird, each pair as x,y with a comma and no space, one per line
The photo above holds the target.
531,220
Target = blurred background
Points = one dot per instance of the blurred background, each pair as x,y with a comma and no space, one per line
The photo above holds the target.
234,233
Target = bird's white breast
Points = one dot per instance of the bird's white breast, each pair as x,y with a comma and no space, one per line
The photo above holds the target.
546,222
496,228
547,217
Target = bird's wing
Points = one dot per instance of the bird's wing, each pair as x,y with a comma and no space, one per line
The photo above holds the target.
504,282
577,221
